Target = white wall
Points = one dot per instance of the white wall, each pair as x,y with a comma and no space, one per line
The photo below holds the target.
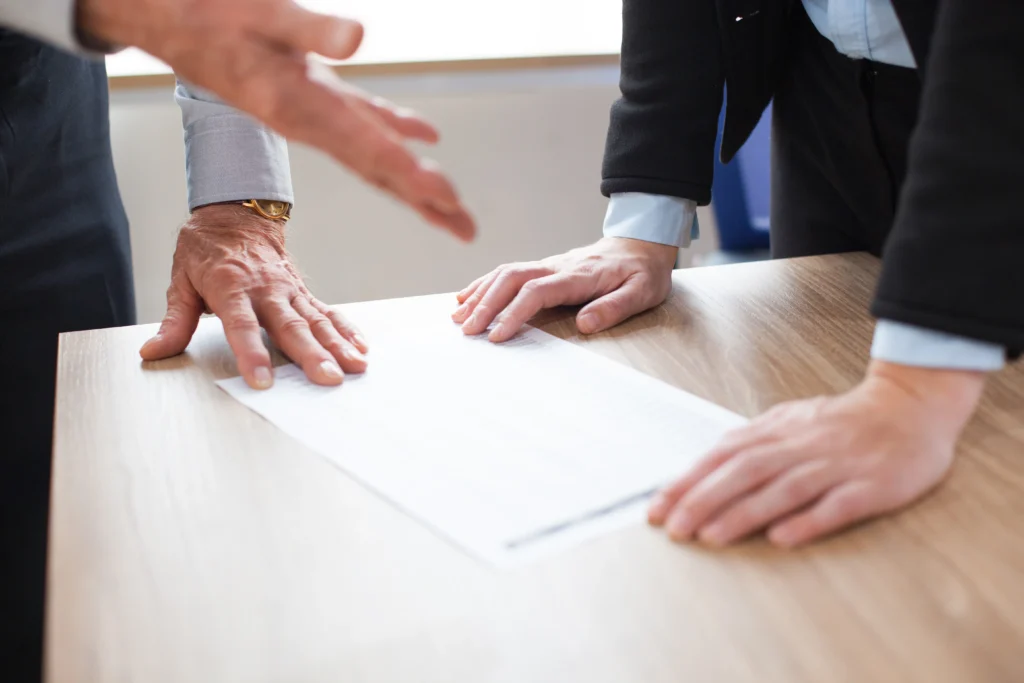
524,147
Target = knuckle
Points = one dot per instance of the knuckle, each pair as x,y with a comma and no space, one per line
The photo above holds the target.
293,325
229,273
240,324
532,287
322,324
699,505
337,349
535,289
171,319
254,356
846,506
586,270
343,326
800,488
505,278
753,467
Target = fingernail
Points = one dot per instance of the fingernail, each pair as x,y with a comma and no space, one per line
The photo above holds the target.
263,378
470,322
679,525
331,371
460,311
498,331
361,342
587,321
153,340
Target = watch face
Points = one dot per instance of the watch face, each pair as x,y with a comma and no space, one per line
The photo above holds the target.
274,209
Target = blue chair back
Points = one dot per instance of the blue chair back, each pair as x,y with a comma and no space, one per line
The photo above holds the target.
742,189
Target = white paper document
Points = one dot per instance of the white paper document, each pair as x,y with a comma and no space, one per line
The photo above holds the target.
507,450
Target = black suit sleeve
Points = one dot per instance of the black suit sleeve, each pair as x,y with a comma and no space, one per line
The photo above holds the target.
954,261
662,134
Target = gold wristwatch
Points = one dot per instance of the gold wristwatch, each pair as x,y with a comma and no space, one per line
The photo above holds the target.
270,209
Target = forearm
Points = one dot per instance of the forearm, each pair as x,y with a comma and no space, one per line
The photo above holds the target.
662,131
953,260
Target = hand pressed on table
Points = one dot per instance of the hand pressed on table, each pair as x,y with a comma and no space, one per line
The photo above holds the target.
616,277
809,468
233,263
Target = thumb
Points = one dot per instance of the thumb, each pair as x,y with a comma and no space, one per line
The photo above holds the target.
184,307
611,309
304,31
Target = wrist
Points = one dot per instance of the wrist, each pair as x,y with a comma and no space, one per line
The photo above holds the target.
664,256
235,217
950,396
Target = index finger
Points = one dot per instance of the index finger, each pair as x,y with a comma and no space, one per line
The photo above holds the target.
546,292
500,294
729,445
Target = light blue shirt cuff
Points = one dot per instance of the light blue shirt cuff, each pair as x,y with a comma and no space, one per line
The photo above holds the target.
228,155
920,347
652,218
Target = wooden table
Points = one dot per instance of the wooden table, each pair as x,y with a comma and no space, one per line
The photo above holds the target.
191,541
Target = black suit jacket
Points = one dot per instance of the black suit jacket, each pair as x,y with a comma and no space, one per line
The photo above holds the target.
954,260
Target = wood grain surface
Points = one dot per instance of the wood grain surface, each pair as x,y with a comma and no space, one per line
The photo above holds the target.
191,541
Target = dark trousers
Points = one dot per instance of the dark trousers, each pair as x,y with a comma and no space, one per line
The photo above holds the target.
64,266
840,132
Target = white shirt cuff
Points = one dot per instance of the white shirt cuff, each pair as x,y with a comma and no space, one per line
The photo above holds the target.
920,347
652,218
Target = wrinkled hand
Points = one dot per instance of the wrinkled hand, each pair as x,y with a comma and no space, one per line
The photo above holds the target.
252,53
234,264
808,468
619,277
